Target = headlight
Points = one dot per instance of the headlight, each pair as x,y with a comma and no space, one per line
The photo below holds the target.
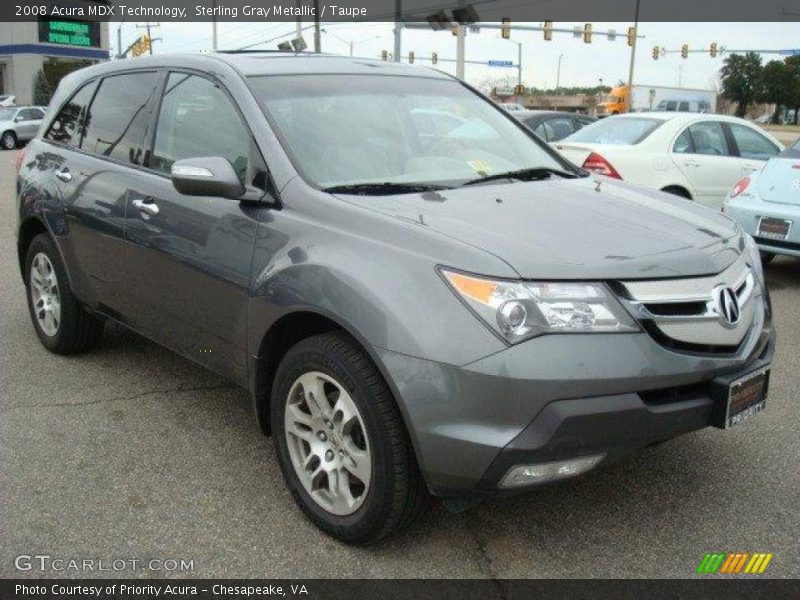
520,310
754,258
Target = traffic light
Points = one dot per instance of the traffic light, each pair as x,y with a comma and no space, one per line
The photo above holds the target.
631,36
505,28
519,89
656,52
713,50
384,55
411,57
685,51
434,58
548,30
587,33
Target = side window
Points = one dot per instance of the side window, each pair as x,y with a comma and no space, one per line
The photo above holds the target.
561,127
684,106
752,144
37,114
708,138
26,114
672,105
198,119
683,145
544,131
118,119
68,126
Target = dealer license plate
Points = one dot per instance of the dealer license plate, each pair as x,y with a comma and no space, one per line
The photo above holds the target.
773,229
747,397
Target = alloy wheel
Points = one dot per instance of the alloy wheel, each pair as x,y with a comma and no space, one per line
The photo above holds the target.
45,294
328,443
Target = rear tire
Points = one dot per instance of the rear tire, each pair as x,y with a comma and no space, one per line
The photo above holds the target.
331,365
8,140
62,324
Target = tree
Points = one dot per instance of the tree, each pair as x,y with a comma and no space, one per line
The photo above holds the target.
42,90
777,86
741,80
793,66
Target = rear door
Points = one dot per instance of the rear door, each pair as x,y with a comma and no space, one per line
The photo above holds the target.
702,153
188,257
28,121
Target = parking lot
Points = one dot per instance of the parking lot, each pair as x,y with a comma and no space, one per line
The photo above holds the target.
133,452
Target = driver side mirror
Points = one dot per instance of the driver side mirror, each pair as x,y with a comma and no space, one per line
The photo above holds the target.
206,176
19,119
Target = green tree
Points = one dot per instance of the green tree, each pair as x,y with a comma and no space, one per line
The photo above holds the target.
741,80
777,86
793,65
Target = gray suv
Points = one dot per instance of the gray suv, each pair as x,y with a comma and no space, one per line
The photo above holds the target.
452,311
19,124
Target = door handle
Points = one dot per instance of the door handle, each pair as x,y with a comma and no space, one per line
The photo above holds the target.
146,206
64,175
691,164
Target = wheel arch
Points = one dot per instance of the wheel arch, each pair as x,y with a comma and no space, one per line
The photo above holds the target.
29,229
678,190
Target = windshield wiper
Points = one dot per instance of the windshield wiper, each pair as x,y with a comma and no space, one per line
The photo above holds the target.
523,175
388,187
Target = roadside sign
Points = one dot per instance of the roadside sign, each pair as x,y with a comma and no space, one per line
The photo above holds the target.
500,63
504,91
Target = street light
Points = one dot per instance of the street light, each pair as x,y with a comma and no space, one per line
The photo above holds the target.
519,60
351,43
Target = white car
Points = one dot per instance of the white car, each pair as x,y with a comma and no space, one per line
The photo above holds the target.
7,100
697,156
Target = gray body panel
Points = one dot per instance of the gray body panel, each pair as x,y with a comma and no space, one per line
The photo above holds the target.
211,273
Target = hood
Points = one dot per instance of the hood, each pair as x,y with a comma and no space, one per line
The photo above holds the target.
779,181
589,228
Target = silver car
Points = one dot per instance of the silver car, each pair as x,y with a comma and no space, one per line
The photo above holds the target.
19,124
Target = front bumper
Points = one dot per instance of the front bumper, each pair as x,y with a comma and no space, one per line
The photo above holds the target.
747,211
555,397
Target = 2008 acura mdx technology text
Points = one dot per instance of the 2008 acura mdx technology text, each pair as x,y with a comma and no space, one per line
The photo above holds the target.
415,309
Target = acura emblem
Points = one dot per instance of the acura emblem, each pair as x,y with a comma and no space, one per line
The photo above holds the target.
727,305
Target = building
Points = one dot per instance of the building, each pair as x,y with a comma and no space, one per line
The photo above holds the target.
54,46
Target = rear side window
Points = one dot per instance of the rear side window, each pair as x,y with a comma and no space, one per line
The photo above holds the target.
752,144
561,126
617,130
198,119
68,126
684,107
118,120
708,138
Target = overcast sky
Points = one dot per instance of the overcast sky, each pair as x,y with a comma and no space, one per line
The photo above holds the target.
582,64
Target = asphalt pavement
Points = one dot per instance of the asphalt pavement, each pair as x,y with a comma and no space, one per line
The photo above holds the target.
133,453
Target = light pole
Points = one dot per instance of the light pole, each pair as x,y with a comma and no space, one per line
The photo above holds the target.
519,60
351,43
558,73
633,57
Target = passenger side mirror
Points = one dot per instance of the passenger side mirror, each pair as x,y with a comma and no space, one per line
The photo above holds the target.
206,176
19,119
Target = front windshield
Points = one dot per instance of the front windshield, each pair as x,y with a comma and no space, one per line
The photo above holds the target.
7,114
354,129
615,130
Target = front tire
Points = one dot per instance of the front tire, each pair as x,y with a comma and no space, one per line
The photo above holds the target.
341,442
61,323
8,140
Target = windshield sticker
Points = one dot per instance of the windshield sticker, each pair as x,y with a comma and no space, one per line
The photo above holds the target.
481,167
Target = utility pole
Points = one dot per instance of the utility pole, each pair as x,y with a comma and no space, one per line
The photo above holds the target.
460,47
633,58
317,39
214,46
519,63
119,41
147,26
558,73
298,28
398,28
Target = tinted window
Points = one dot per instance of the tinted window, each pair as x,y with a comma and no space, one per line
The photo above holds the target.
118,119
561,126
616,130
30,114
752,144
37,113
683,145
709,138
198,119
544,131
68,126
792,151
684,107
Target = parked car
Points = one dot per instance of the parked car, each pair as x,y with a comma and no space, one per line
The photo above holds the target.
513,106
462,315
551,125
766,204
695,156
19,124
6,100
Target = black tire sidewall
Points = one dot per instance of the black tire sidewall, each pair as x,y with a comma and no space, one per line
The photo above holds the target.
7,135
360,525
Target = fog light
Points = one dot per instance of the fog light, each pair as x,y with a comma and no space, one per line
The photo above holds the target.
530,474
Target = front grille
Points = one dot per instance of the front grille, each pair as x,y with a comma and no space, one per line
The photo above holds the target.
689,314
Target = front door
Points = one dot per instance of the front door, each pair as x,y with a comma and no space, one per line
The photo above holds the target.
188,257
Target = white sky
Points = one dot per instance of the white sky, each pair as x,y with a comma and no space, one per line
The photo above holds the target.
582,64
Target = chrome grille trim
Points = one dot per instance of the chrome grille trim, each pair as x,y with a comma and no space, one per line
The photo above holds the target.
688,311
